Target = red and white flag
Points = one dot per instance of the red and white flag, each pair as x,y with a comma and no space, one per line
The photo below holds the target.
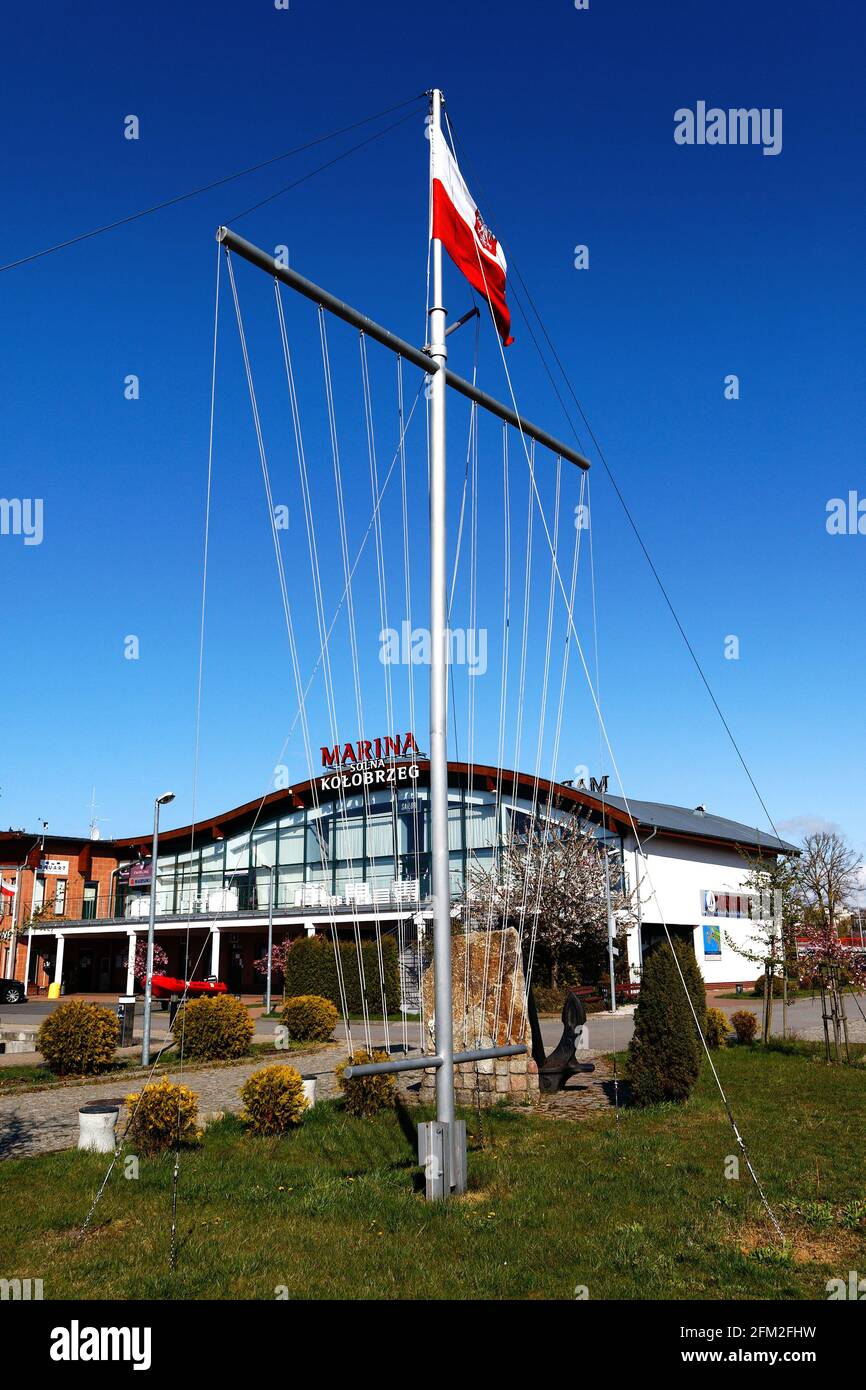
458,224
7,889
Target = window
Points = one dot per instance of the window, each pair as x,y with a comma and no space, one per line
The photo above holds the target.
455,822
60,897
480,825
292,839
318,836
88,906
348,832
238,854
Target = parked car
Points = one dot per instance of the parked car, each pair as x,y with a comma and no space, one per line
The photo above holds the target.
11,992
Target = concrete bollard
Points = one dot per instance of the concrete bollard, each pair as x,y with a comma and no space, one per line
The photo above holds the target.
309,1089
96,1126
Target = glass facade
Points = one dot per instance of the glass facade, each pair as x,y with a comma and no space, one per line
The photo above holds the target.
355,849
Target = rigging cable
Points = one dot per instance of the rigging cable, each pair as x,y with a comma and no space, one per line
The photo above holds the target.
740,1141
216,183
312,548
620,497
281,575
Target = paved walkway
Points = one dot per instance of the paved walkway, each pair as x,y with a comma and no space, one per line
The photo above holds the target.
43,1121
584,1092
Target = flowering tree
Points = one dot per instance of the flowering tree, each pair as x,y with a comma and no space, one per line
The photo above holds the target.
278,959
552,880
160,960
821,951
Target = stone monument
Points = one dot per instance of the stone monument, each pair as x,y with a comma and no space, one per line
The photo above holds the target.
478,957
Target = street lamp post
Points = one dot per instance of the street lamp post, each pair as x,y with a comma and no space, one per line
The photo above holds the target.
151,925
272,872
270,940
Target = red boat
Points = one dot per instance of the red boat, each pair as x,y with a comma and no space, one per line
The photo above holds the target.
167,986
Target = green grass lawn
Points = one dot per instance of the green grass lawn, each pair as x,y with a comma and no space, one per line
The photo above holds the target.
632,1209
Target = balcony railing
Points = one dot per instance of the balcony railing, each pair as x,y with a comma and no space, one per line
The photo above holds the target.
231,903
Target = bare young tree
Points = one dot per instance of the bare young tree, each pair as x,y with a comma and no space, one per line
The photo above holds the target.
827,877
551,881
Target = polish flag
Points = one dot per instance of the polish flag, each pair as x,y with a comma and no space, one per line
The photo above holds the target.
458,224
7,889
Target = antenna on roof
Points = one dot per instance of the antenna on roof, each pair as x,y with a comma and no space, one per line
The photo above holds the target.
95,832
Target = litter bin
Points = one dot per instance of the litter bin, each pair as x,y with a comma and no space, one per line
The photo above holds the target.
96,1127
126,1018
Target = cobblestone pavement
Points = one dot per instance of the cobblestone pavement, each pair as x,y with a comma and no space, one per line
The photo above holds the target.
43,1121
585,1092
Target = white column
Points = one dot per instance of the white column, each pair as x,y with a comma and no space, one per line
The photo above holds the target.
130,963
634,953
58,960
27,962
215,951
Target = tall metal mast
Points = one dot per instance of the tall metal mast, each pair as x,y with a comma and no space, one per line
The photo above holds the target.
441,1142
441,879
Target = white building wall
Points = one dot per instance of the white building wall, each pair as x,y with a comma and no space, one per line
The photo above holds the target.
680,871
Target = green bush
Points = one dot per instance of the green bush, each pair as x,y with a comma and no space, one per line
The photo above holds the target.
367,1095
695,983
162,1115
664,1055
214,1028
309,1018
274,1100
78,1038
793,987
311,969
717,1028
547,1000
745,1025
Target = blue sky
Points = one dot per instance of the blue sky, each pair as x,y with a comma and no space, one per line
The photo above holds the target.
704,261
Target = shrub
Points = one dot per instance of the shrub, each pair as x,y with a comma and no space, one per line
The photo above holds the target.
717,1028
367,1095
547,999
309,1018
311,969
664,1054
214,1028
758,991
273,1100
695,983
162,1115
78,1038
745,1025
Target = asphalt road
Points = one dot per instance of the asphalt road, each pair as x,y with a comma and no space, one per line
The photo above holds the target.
607,1032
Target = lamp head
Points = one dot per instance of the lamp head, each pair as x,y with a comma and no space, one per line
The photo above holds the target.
165,798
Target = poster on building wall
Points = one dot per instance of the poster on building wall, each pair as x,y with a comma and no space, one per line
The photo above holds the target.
712,939
59,867
715,904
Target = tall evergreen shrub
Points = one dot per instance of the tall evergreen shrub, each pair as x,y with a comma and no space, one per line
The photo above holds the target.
311,969
664,1055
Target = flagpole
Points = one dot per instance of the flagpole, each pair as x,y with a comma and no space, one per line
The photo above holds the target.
441,878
